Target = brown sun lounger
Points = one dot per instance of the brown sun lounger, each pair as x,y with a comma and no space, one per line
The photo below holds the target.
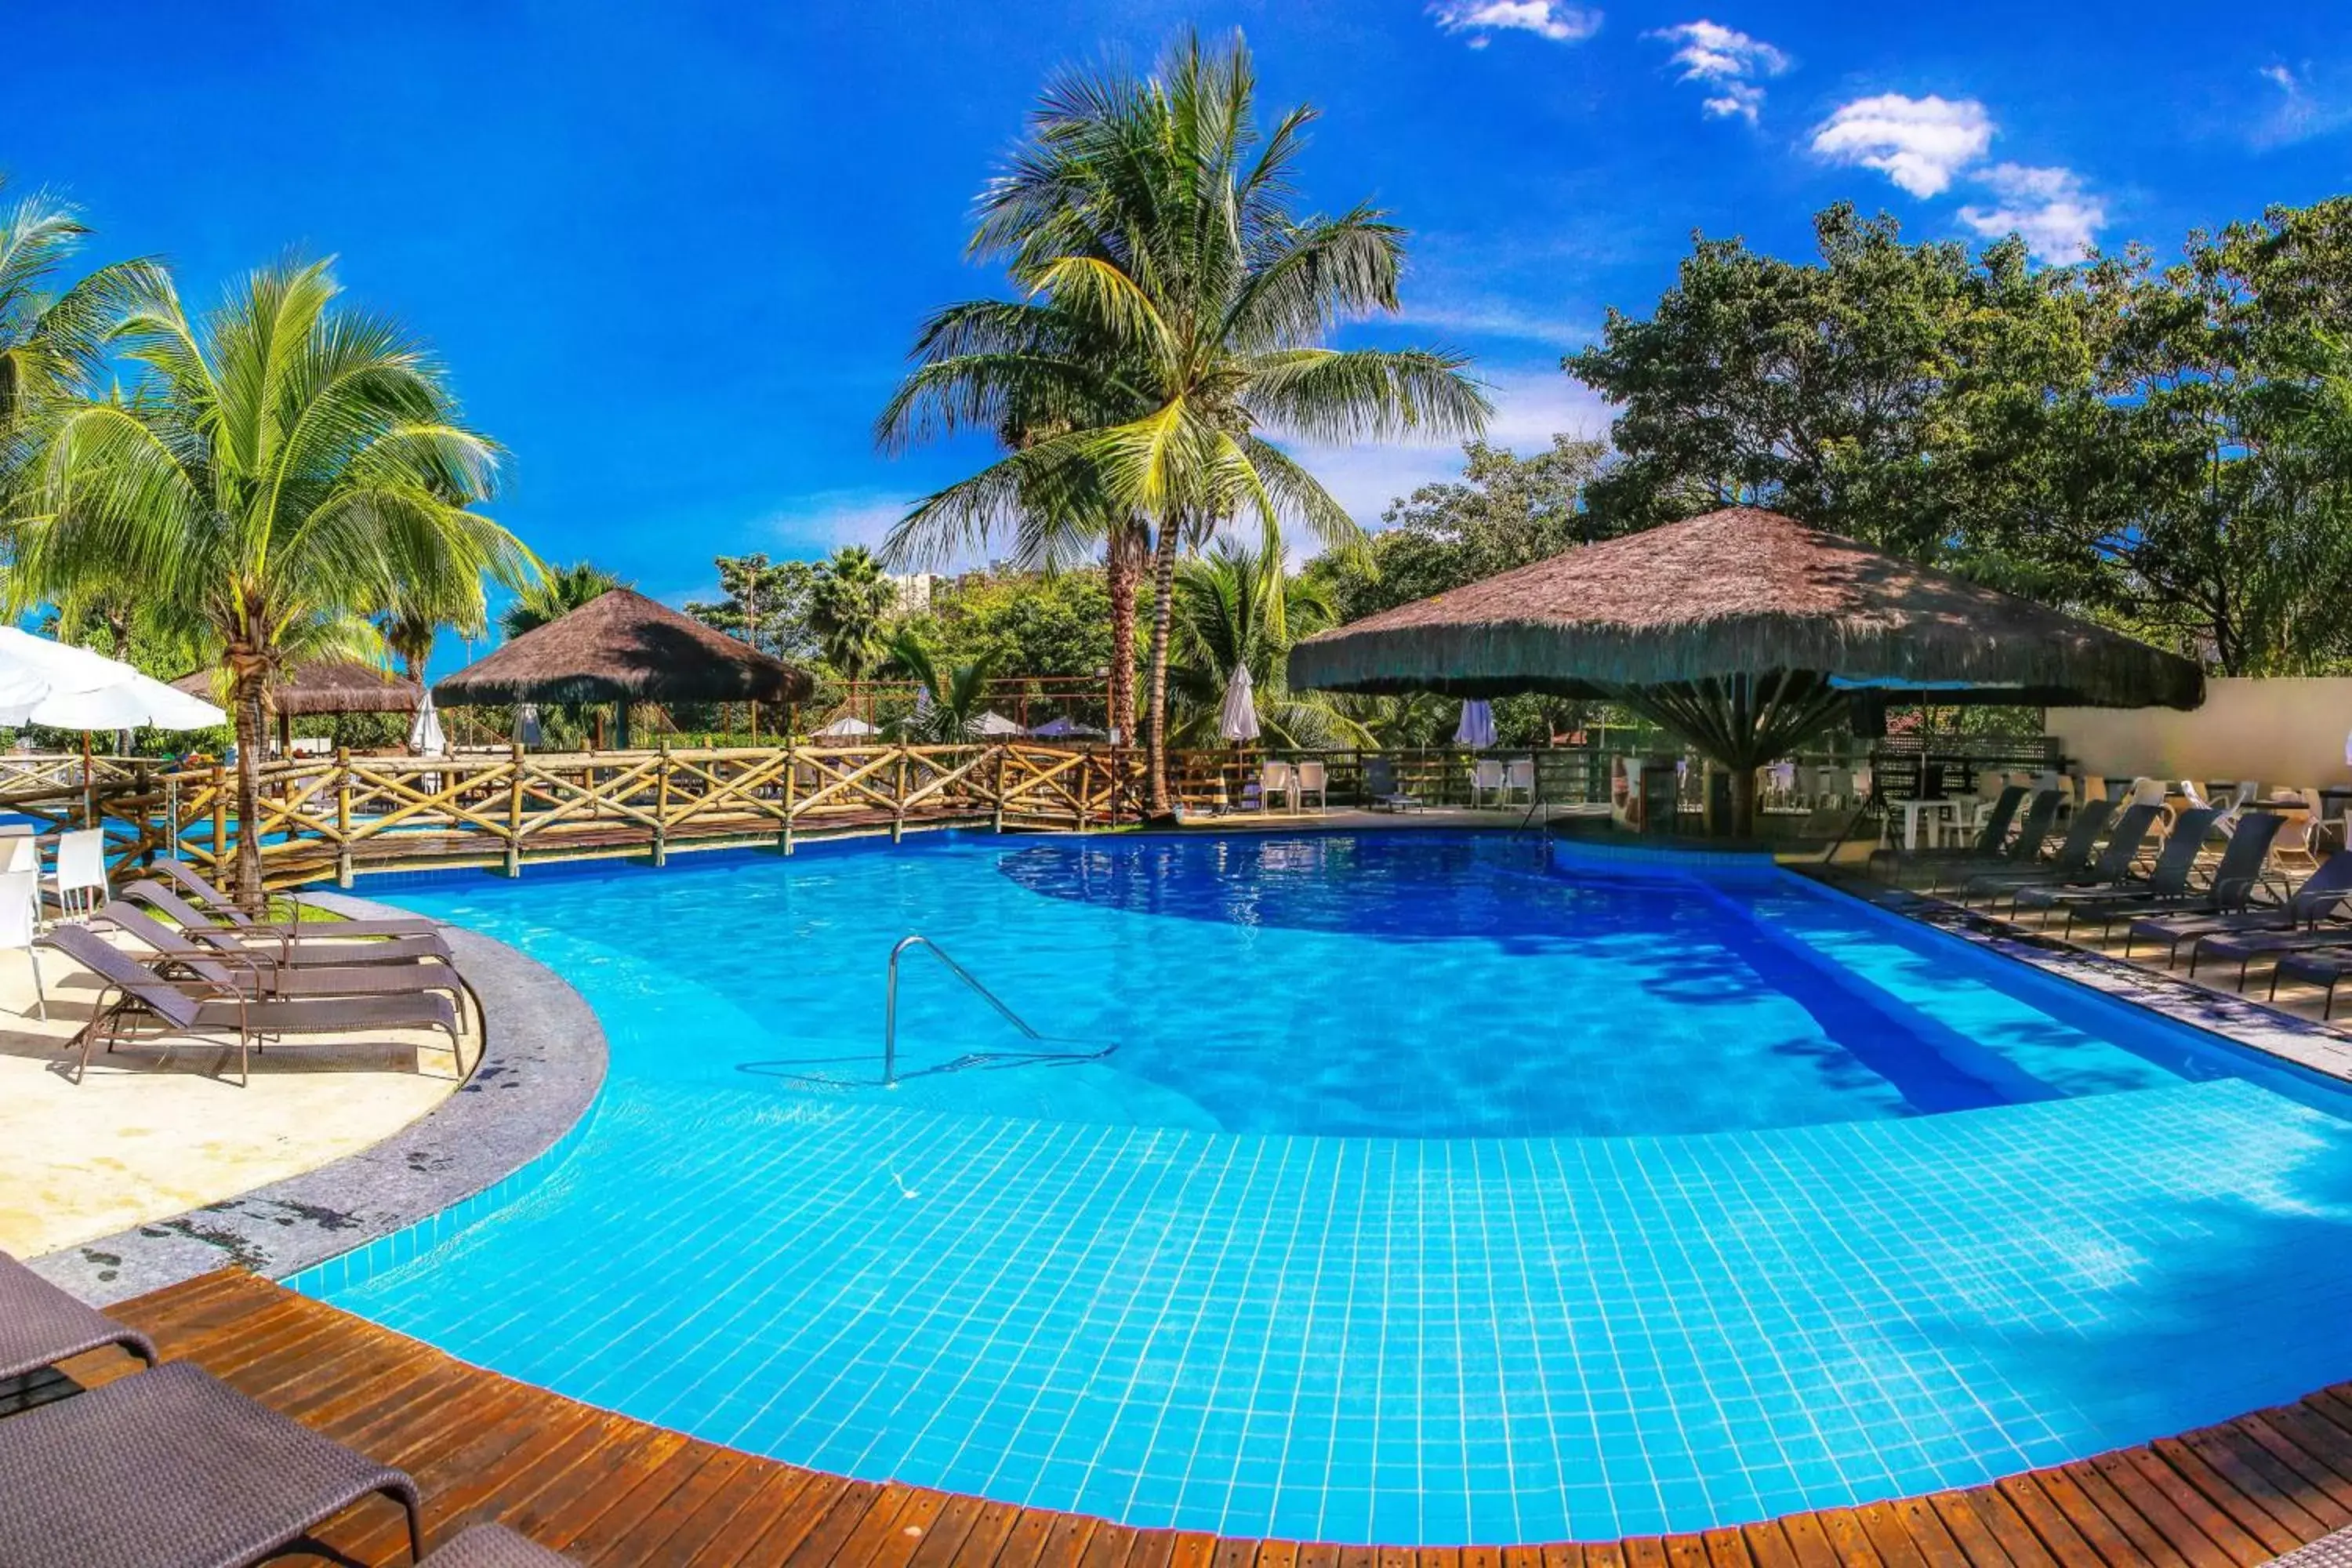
219,907
283,944
41,1325
174,1468
202,1007
494,1546
262,973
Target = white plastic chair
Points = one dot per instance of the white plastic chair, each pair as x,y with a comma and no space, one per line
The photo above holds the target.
1486,779
1520,778
20,922
79,882
19,850
1310,778
1277,779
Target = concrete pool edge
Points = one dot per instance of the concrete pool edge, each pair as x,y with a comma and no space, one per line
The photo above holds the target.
526,1102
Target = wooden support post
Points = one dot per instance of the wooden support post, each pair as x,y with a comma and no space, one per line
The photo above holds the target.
514,812
343,817
220,819
898,796
791,775
661,805
1000,788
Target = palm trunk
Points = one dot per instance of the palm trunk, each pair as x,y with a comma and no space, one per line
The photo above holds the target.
250,690
1124,564
1155,733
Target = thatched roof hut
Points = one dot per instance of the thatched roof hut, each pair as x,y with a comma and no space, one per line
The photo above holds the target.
329,686
623,648
1743,631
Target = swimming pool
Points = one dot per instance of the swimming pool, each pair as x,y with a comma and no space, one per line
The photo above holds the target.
1439,1188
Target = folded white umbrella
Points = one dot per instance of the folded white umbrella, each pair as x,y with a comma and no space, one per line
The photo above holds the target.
1476,730
64,687
425,736
1237,721
529,733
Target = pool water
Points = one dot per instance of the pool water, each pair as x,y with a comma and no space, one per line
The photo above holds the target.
1434,1188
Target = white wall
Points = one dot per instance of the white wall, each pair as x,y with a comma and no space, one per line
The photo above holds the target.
2283,732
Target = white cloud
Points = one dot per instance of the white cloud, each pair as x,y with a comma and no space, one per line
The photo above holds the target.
2300,109
1482,19
1491,316
1728,62
1917,142
2049,207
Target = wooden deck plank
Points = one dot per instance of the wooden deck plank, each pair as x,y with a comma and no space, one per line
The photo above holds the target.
609,1489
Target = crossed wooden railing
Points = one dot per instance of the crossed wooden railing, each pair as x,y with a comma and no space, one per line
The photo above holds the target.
335,817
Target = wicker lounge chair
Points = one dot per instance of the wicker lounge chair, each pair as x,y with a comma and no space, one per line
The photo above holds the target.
286,945
219,908
2323,891
174,1468
40,1325
2109,873
261,973
494,1546
201,1007
2236,878
2070,863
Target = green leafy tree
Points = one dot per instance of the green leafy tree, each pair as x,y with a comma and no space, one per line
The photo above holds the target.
765,604
850,607
282,469
556,594
1174,311
1027,624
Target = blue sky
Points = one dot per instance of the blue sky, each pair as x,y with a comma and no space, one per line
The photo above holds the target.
674,253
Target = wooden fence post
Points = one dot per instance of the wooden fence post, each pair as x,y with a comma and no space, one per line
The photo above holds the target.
1001,752
220,819
661,804
898,795
792,780
343,817
514,811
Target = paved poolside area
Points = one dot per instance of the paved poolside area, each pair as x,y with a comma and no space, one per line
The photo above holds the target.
154,1132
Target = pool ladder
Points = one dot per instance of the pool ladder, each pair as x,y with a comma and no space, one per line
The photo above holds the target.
890,1016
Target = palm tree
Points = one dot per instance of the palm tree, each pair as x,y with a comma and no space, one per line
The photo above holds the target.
849,609
54,343
956,693
559,592
283,469
1232,609
1175,309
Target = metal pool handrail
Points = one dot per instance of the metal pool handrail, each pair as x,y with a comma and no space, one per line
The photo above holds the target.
890,1003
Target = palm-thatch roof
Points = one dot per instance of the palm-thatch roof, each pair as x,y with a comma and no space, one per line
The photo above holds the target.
1742,593
329,686
624,648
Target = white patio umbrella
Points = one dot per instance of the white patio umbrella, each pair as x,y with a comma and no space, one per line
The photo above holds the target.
424,737
1476,730
850,728
64,687
1237,721
993,723
1065,729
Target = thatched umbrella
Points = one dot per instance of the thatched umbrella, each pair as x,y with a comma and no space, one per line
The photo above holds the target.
623,648
1743,632
327,686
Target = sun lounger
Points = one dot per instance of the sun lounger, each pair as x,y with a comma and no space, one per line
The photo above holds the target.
259,972
220,909
2041,812
174,1468
2072,861
289,946
41,1325
493,1546
2236,878
200,1007
2109,873
1380,787
2322,892
2326,967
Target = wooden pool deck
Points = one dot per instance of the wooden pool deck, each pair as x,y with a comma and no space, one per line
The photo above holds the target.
608,1489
